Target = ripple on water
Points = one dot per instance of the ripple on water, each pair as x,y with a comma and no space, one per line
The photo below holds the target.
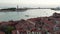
5,16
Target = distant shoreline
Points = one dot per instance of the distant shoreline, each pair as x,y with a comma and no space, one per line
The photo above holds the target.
12,9
22,9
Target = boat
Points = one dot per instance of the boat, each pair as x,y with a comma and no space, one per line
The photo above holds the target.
27,15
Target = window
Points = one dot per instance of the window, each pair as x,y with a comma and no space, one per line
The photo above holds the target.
57,22
56,28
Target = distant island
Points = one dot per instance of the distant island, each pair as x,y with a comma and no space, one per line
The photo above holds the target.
24,9
57,8
13,9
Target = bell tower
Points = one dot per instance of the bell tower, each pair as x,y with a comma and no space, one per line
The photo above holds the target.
17,7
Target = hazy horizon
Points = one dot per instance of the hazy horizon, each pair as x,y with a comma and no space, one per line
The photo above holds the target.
29,3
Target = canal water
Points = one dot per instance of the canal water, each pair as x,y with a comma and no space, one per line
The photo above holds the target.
33,13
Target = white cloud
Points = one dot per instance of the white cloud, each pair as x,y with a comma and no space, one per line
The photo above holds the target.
8,1
40,2
31,2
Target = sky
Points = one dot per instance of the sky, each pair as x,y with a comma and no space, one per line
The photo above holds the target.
29,3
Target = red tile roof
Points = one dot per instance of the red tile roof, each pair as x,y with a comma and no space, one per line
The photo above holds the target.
1,32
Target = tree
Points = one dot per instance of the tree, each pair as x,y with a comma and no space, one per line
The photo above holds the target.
7,29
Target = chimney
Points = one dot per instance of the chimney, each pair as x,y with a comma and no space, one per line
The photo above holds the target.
18,32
